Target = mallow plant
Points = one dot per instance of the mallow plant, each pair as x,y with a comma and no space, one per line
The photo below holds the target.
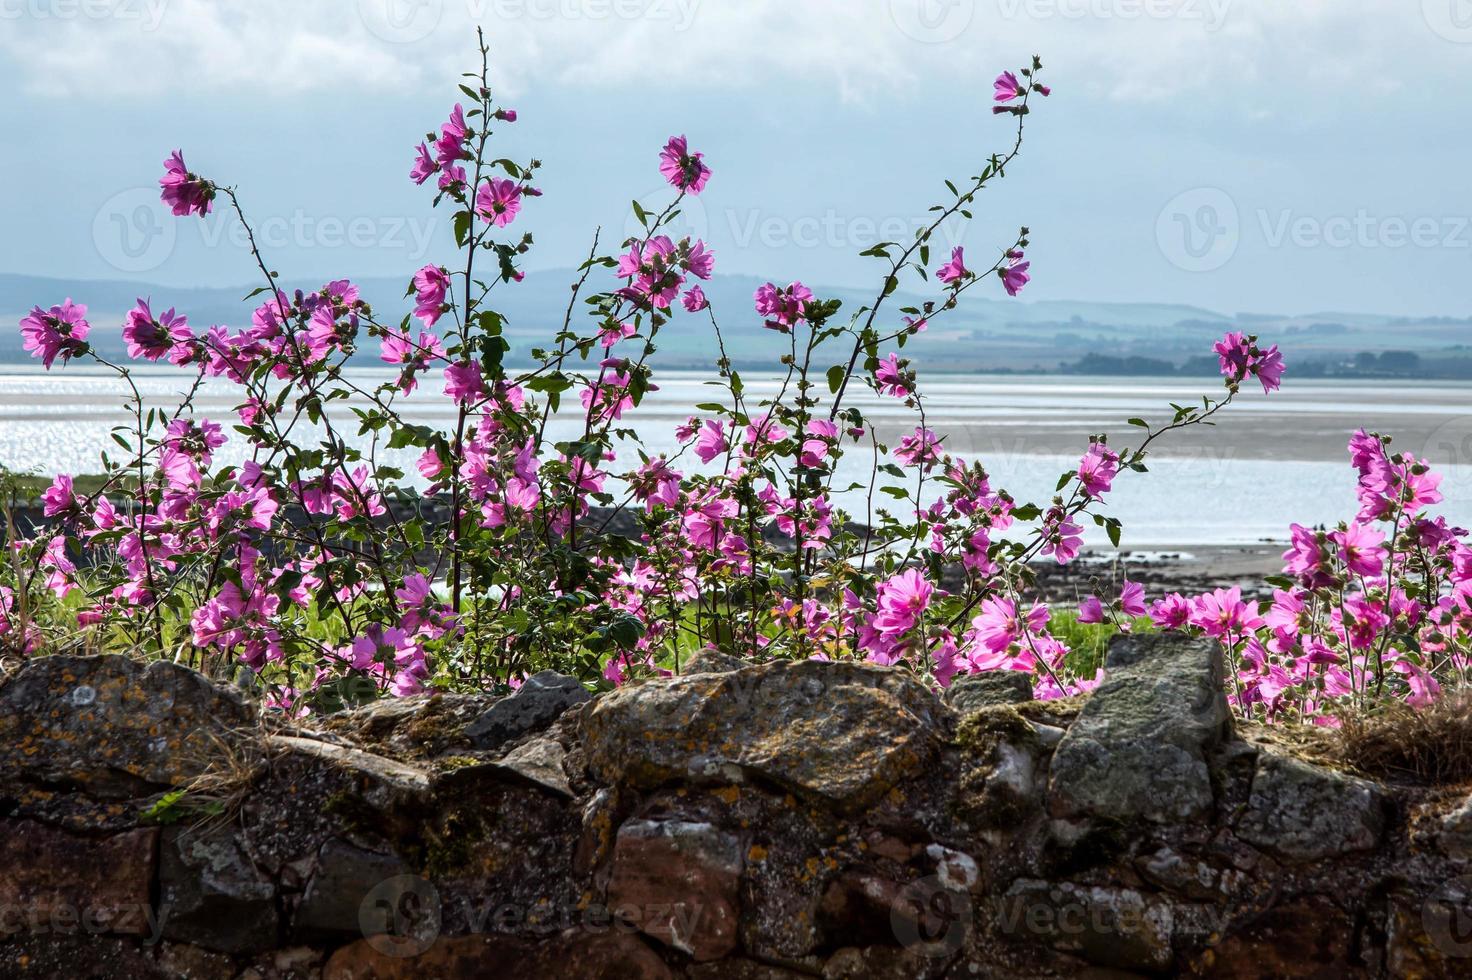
324,570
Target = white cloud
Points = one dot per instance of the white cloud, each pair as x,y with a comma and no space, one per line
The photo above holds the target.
1119,49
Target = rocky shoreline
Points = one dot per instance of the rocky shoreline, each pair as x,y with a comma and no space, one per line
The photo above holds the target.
776,822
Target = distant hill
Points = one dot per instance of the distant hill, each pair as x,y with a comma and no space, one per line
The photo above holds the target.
984,334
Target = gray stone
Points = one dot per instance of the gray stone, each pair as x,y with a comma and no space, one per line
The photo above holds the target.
539,702
1138,748
972,691
708,661
113,726
211,894
540,761
841,733
344,879
384,784
1304,812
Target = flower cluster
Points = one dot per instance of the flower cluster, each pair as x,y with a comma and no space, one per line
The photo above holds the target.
330,575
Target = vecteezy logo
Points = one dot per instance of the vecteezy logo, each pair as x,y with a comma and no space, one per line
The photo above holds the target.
1199,230
930,918
401,916
1450,19
932,21
132,232
401,21
1446,916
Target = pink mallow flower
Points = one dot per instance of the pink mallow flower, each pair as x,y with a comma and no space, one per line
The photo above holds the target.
1006,87
783,307
184,192
1361,548
892,378
153,337
1097,469
58,332
684,170
1014,274
431,285
498,201
955,270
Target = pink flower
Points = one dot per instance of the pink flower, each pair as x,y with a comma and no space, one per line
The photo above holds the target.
451,144
1269,369
1171,612
902,600
998,625
1091,610
1132,598
59,331
424,165
429,464
1240,356
1006,87
151,337
498,201
58,498
892,378
1361,548
684,170
464,383
921,448
712,441
615,332
701,261
1015,276
1061,538
1097,469
1305,558
694,299
783,308
183,191
1223,612
431,284
955,270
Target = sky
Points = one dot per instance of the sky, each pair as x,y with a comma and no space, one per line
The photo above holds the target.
1238,155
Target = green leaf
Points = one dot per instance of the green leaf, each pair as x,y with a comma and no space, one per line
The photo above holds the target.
835,377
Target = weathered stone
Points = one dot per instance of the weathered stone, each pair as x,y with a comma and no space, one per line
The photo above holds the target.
1001,767
1304,812
1114,927
1455,832
971,691
1138,748
678,882
540,763
55,882
344,879
841,733
213,895
385,782
539,702
708,661
610,957
423,724
114,727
